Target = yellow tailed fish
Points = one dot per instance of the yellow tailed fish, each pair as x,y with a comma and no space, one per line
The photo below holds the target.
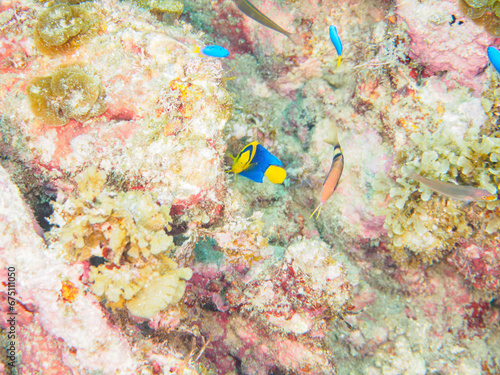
463,193
333,177
251,11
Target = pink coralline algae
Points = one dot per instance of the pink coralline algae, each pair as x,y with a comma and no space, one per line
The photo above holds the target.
480,265
459,48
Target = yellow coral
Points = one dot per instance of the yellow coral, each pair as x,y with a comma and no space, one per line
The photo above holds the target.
423,225
128,231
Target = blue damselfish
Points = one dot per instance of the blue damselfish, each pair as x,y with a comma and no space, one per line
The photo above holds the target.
213,51
337,43
494,56
254,161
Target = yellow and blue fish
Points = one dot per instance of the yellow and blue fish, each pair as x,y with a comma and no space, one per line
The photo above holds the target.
211,51
254,161
337,43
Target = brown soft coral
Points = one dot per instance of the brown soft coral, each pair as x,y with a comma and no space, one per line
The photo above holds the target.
483,13
64,27
72,91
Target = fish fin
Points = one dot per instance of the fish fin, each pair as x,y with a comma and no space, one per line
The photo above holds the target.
333,138
253,172
317,209
295,38
196,49
275,174
338,61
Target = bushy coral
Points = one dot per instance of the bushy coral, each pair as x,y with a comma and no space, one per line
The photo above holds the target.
127,231
64,27
72,92
423,224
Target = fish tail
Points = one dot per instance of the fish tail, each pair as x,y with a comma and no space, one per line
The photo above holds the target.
333,139
338,61
317,209
294,38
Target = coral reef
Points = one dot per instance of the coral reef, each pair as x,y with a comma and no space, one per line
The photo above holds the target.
64,27
181,269
71,92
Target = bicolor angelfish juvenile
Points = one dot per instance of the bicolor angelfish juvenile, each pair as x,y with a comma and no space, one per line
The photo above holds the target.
460,192
337,43
333,177
251,11
494,57
212,51
254,161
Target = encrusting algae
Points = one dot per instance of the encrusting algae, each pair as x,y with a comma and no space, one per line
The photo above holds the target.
125,233
424,225
72,92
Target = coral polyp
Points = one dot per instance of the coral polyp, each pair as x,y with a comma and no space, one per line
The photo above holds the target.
63,27
71,92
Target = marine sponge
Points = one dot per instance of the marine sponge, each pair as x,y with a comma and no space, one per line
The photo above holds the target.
72,91
128,231
64,27
423,225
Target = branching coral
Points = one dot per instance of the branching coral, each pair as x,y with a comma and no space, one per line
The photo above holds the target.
425,224
72,91
64,27
127,230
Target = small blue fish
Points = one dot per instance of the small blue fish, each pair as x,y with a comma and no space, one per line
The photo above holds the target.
494,56
337,43
212,51
254,161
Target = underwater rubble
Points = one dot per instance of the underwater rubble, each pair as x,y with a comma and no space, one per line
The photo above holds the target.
131,243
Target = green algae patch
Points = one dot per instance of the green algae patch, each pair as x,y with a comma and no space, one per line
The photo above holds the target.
205,252
71,92
62,27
